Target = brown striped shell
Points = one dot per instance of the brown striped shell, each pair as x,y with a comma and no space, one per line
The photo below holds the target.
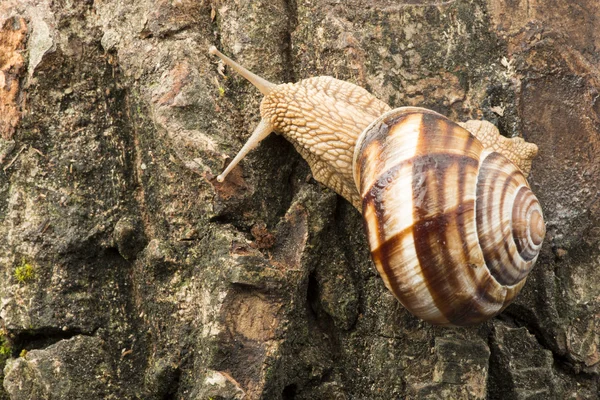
453,228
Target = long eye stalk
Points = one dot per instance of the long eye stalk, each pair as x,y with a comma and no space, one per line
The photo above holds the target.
261,84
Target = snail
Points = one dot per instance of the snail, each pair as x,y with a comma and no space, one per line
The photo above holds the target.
452,224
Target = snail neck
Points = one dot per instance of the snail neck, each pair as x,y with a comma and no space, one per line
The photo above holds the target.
323,118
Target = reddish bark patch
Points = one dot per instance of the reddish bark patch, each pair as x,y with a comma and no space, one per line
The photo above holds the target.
233,187
263,239
12,43
175,80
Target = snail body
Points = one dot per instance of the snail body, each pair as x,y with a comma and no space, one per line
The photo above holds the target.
452,225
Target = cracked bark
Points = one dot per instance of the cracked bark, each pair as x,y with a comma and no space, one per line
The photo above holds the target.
150,280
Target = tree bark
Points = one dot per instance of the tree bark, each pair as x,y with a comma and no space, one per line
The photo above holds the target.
128,272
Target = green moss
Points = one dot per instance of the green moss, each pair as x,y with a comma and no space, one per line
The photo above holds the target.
5,349
5,353
24,272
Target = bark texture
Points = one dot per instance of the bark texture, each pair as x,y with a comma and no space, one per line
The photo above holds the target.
128,272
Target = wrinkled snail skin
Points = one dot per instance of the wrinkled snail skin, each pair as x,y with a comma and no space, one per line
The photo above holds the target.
322,117
451,222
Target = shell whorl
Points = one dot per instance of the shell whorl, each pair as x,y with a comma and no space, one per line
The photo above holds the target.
453,227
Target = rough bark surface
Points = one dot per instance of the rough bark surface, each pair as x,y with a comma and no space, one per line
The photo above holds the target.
128,272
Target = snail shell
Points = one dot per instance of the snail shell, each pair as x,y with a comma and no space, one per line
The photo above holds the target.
453,228
451,222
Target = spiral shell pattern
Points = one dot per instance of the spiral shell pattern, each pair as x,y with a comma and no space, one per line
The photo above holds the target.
453,228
